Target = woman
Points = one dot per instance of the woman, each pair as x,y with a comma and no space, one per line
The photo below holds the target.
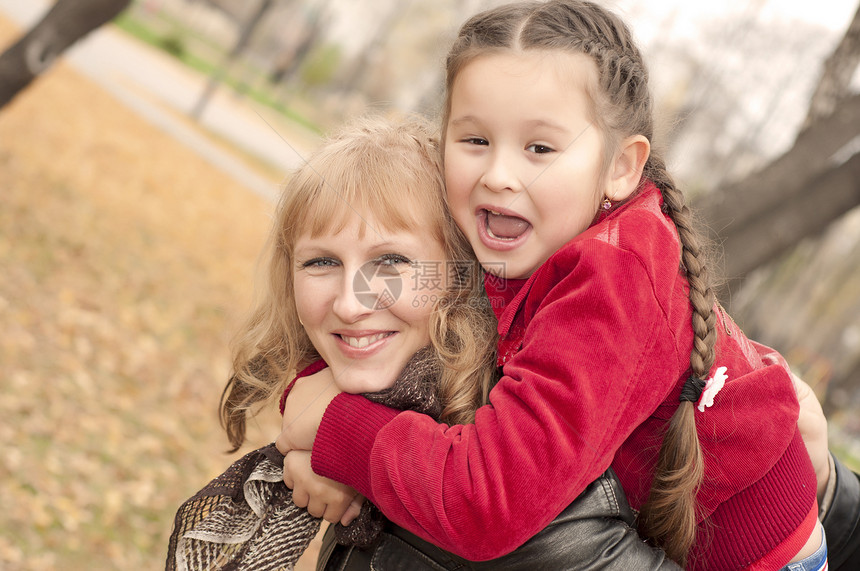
366,269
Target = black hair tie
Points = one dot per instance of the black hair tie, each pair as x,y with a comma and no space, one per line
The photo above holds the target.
692,390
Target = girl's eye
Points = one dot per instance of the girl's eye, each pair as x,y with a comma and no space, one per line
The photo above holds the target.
476,141
321,262
540,149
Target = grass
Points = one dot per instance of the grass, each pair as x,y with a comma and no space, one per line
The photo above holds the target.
172,33
127,262
149,35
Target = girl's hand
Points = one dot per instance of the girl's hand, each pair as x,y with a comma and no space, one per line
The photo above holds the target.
330,500
813,428
304,410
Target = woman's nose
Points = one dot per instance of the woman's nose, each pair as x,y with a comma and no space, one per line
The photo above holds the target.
372,287
350,305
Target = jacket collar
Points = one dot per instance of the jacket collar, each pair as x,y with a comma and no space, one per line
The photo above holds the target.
508,295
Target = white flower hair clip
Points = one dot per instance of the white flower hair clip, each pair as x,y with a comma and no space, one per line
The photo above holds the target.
712,387
703,392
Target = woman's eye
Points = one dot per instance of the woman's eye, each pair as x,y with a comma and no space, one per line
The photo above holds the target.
393,260
540,149
320,263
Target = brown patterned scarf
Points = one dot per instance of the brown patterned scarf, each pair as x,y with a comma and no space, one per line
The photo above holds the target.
246,519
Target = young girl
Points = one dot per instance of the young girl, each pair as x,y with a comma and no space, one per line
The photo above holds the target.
613,349
366,268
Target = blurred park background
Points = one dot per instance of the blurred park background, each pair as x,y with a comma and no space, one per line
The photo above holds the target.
138,170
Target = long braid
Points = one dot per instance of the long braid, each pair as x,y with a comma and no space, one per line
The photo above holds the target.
693,262
669,515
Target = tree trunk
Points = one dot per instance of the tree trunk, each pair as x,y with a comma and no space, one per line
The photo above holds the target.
291,60
218,75
839,68
360,68
787,175
64,24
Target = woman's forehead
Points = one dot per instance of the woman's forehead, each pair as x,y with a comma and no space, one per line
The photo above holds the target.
336,218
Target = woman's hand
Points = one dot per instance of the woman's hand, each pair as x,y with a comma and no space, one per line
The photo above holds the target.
813,428
325,498
304,410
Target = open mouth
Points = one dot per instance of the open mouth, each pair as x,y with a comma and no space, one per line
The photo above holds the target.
504,226
364,340
501,231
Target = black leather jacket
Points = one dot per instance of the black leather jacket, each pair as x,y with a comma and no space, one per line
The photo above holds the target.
842,521
593,532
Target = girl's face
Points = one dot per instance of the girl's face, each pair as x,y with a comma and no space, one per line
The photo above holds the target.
364,295
522,160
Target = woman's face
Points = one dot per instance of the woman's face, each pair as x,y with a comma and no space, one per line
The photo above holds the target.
364,295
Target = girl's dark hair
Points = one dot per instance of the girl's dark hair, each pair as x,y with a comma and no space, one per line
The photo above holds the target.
621,106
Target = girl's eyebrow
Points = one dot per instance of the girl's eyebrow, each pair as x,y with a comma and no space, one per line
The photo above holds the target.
531,123
547,124
464,119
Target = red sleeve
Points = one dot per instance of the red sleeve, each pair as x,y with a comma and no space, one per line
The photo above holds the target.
342,447
597,358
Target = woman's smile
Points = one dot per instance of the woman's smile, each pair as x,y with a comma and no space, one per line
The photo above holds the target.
369,342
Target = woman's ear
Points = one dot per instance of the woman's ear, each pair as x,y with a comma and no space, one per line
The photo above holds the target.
626,171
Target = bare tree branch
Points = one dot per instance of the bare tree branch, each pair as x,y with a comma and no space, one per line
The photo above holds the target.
787,175
794,197
824,200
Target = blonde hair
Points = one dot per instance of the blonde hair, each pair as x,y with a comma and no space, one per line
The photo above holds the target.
392,172
621,106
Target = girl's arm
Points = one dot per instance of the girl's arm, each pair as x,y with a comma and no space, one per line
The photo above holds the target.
309,395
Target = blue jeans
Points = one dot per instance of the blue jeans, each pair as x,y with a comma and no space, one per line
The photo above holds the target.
814,562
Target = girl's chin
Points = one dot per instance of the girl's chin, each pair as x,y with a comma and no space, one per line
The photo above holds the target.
500,270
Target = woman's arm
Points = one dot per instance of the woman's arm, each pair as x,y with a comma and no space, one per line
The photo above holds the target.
593,533
322,497
842,520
